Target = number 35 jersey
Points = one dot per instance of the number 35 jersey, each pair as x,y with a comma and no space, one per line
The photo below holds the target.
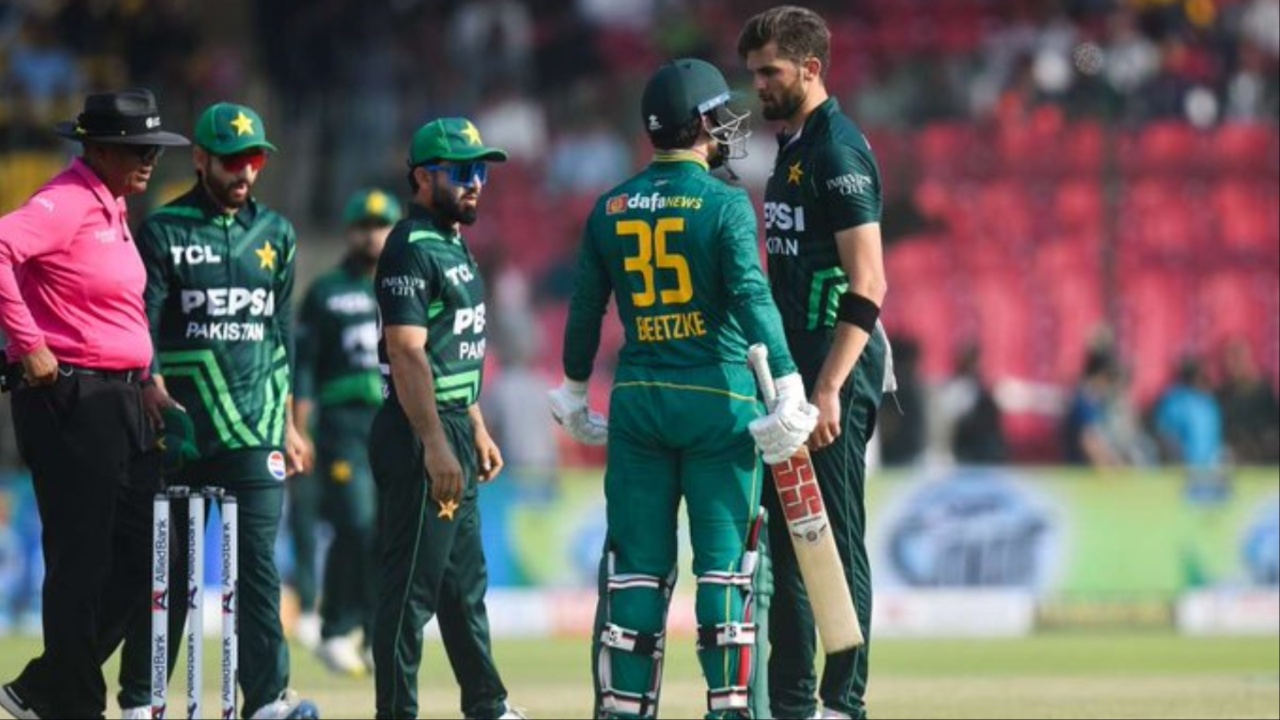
428,278
676,248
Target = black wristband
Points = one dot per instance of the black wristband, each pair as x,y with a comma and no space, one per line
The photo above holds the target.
858,310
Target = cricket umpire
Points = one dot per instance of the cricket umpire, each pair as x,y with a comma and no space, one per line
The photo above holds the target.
71,284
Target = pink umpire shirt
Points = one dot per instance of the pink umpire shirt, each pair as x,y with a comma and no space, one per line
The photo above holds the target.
71,278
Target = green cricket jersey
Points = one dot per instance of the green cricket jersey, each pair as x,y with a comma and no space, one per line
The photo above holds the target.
427,277
824,180
677,249
338,340
218,299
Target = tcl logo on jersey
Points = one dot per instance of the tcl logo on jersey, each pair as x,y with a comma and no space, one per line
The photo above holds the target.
219,302
459,274
195,255
781,216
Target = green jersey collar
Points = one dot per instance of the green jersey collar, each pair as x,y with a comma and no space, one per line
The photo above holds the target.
199,197
817,121
678,158
421,213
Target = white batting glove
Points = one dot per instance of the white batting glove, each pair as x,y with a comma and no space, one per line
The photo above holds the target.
780,434
569,408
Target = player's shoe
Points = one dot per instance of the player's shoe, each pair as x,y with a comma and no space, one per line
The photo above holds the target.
342,655
512,713
13,703
287,707
136,713
307,631
829,714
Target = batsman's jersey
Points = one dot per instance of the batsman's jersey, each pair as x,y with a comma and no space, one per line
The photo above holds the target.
427,277
218,299
677,249
338,341
825,180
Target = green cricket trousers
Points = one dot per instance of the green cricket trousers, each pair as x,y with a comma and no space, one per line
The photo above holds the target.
431,565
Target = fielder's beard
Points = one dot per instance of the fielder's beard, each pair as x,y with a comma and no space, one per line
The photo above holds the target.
788,104
450,209
221,191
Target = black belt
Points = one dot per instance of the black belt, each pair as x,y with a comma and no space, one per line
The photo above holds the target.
117,375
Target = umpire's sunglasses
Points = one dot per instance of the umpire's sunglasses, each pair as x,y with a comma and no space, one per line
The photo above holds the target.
464,173
146,153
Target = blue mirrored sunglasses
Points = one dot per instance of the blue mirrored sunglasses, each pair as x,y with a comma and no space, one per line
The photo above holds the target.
464,173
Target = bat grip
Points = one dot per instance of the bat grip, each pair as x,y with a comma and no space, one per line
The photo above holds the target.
758,358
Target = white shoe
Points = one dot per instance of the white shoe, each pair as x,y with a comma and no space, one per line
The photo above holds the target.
136,713
829,714
287,707
15,705
512,713
342,655
307,631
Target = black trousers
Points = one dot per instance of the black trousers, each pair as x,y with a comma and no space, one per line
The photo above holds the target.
85,439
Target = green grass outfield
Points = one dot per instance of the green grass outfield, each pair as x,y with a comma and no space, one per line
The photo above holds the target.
1049,676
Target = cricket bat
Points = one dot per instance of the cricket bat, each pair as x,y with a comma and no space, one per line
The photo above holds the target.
815,546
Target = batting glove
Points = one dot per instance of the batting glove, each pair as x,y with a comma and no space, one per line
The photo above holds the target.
783,431
569,408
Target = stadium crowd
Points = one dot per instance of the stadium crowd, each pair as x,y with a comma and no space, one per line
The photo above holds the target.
1063,179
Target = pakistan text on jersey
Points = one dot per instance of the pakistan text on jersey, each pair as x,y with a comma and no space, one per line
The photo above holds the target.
675,326
221,302
622,203
233,331
782,246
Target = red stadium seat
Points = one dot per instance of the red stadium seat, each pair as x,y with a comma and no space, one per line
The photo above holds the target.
1004,324
1239,147
1248,218
1082,149
923,306
948,150
1077,207
1238,303
1155,326
1164,147
1068,281
1161,220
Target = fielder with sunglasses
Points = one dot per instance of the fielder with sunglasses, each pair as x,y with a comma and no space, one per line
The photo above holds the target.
220,269
429,447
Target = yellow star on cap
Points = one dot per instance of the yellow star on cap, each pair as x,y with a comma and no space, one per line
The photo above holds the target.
472,134
243,124
794,173
447,509
376,204
266,256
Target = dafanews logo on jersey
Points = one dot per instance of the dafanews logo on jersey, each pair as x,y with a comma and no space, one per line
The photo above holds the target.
228,302
621,203
782,218
470,319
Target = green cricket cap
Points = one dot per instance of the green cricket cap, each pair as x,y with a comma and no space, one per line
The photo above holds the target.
452,139
178,442
680,91
227,129
371,204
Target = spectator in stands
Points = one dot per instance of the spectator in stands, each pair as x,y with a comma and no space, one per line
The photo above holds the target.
588,158
491,40
902,429
1086,439
515,121
1250,414
976,433
44,73
1187,419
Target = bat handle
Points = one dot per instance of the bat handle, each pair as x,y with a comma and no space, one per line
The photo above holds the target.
758,358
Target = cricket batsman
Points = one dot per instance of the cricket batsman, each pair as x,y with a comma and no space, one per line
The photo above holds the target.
676,249
220,269
337,385
822,221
